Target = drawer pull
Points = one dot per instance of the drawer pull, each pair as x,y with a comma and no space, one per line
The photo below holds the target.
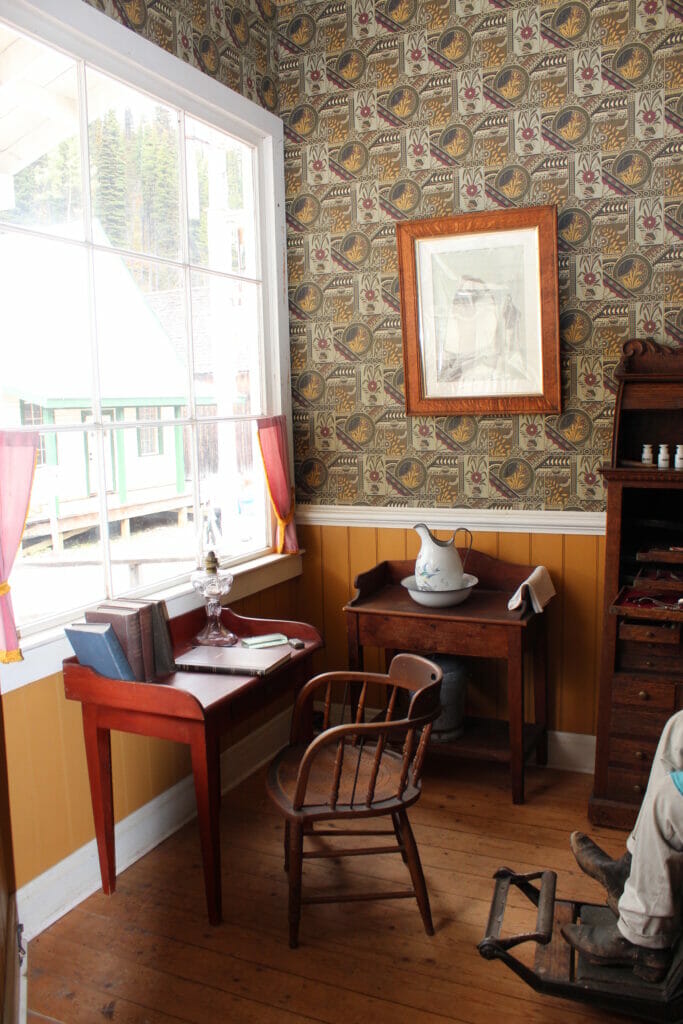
639,755
637,788
651,634
643,695
649,664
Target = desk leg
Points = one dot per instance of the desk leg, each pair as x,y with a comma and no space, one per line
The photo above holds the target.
541,689
516,714
355,648
205,750
98,755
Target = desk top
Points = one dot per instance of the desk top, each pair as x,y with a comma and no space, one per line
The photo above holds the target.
380,592
188,694
482,605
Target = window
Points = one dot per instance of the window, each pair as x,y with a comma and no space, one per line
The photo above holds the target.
150,439
139,299
32,416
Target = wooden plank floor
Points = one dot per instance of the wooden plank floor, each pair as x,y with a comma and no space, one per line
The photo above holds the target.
147,955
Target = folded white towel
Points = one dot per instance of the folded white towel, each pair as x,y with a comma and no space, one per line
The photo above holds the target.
539,588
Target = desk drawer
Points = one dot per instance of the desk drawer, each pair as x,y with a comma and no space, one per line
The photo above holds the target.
633,753
653,657
422,632
668,633
640,723
627,785
644,693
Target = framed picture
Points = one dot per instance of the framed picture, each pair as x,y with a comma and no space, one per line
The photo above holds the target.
479,303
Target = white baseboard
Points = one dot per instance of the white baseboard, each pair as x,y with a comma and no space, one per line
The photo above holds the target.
571,752
62,887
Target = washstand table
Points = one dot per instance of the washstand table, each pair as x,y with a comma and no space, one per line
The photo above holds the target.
382,614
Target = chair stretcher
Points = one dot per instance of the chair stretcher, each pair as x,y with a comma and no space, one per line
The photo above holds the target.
559,970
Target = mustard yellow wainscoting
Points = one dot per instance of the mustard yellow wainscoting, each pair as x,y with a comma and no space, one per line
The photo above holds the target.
335,554
48,782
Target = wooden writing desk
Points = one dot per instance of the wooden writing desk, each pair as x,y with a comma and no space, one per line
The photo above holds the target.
189,707
382,614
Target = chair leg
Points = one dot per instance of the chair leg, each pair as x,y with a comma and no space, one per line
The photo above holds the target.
415,868
296,843
397,830
286,846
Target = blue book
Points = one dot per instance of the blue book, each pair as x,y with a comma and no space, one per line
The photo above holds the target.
95,644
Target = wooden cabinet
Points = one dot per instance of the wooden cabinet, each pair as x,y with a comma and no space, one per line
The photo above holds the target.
641,680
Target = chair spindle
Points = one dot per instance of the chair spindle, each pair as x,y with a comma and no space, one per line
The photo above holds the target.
336,778
328,705
377,760
407,757
418,760
391,704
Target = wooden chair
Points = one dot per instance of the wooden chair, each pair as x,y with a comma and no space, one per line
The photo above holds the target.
356,769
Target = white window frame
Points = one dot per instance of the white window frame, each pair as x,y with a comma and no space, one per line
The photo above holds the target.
87,34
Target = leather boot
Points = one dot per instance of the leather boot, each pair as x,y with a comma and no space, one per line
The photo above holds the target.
605,945
610,873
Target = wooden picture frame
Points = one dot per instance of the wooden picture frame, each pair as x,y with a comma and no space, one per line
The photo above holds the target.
480,312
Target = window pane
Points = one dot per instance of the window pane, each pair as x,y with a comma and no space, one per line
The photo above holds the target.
59,564
232,490
226,326
220,194
40,170
150,439
150,509
134,169
45,328
33,416
141,335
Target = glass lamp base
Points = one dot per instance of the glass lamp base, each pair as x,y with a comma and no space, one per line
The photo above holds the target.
215,634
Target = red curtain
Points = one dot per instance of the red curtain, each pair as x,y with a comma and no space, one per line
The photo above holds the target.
272,438
17,464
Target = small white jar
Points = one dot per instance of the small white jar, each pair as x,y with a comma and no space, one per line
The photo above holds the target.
647,458
663,457
678,457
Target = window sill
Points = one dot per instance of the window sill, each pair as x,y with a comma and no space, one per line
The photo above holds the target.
44,652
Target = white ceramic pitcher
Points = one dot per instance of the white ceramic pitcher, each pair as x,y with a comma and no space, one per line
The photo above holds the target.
438,565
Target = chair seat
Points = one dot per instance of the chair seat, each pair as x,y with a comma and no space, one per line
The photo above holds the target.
283,772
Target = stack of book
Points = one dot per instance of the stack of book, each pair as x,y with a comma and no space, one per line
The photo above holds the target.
125,638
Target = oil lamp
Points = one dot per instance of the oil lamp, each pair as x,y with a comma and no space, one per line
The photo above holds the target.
212,583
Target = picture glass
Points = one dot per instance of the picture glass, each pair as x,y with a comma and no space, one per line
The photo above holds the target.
480,314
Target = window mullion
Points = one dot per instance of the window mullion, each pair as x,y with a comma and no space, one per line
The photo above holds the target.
97,425
187,281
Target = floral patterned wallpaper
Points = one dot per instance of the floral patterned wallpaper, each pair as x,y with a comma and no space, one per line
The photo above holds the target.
405,109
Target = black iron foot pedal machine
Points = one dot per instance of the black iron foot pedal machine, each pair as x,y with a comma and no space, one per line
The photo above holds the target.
559,971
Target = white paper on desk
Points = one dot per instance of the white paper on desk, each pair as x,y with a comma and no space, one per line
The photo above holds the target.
538,586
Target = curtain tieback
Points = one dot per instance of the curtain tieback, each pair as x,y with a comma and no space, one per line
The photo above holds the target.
282,523
4,588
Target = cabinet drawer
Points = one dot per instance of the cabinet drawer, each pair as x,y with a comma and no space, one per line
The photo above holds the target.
641,723
651,632
644,693
635,753
653,657
625,784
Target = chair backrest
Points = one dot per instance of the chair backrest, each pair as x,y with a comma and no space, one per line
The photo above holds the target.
410,703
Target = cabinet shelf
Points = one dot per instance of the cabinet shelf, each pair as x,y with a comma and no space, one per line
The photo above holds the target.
661,556
633,603
656,578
